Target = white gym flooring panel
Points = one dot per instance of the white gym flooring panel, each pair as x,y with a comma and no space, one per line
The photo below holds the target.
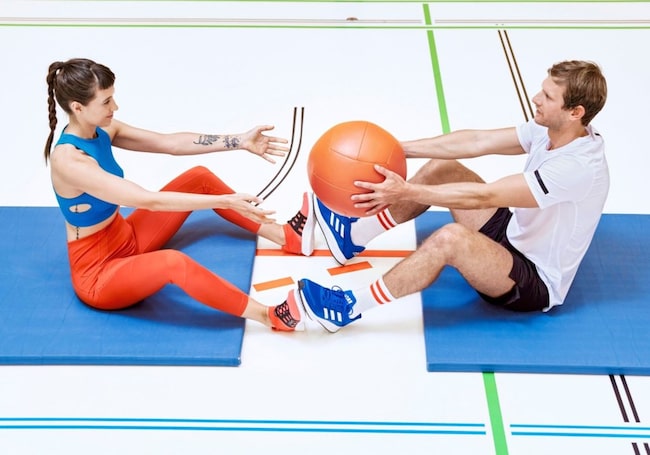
415,68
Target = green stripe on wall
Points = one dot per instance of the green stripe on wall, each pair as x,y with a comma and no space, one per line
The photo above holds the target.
442,105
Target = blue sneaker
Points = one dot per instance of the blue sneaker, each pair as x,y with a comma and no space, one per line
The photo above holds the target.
331,308
336,229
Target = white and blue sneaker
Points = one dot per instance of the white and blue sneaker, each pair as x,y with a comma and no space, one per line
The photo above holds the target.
331,308
336,229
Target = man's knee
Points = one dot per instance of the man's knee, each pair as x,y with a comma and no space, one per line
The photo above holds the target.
431,171
437,171
448,238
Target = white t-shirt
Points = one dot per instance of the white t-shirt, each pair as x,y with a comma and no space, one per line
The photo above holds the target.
570,185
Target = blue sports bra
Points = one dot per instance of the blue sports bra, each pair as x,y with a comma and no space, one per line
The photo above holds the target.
100,149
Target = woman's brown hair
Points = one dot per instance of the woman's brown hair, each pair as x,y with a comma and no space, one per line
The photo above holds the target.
74,80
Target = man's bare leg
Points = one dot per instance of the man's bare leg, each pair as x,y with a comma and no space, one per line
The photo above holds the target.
484,263
436,172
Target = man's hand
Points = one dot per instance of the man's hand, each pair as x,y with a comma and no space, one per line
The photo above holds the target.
380,195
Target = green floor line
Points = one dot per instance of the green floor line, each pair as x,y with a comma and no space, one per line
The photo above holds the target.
494,409
492,397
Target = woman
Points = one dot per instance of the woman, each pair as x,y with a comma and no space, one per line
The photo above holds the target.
115,262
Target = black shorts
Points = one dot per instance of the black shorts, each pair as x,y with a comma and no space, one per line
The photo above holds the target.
529,292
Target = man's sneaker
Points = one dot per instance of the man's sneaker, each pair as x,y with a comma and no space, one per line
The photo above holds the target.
299,230
336,229
331,308
288,316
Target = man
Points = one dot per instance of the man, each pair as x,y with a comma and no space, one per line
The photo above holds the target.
517,241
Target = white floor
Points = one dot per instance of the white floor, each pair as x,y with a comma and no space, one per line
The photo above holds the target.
224,67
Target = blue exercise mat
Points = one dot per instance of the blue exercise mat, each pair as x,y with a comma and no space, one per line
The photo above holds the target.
602,328
43,322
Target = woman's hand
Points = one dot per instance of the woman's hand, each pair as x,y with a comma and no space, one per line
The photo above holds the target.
264,146
245,204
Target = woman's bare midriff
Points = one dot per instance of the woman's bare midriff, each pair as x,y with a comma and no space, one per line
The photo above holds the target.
75,233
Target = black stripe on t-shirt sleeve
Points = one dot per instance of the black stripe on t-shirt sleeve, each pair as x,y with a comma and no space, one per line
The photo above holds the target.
541,182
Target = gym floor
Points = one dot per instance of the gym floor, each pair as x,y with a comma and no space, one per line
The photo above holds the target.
417,69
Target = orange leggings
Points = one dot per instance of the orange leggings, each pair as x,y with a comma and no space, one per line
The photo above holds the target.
123,263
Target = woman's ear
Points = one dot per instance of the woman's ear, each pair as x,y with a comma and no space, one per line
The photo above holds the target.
75,107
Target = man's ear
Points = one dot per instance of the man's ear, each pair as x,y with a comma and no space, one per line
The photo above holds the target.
578,112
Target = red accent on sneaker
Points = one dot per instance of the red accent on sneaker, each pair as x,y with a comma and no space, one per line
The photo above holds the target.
286,317
296,228
293,241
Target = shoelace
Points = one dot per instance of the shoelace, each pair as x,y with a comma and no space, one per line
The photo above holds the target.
284,314
297,223
338,302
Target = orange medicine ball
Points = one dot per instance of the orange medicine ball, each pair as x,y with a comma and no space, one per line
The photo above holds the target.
347,152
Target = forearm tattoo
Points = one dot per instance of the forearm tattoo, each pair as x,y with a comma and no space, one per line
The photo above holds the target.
230,142
207,139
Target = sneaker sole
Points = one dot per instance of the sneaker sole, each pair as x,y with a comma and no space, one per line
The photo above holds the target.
330,327
332,244
307,243
300,327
